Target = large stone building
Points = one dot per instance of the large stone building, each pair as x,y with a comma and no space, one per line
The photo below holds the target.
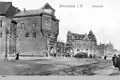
37,30
82,42
30,31
7,27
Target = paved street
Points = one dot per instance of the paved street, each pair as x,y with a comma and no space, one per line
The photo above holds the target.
58,66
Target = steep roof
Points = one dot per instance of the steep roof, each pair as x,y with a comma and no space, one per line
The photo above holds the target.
77,36
91,36
85,36
47,6
29,12
4,7
34,12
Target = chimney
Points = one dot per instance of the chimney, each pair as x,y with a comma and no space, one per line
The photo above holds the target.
24,10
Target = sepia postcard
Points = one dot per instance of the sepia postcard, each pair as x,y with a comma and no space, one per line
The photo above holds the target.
59,38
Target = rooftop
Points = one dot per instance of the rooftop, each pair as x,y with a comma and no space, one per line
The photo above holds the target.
4,6
29,12
7,9
34,12
79,36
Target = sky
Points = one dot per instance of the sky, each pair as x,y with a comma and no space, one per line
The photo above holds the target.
103,21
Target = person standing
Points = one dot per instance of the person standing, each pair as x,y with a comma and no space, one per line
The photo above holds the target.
118,62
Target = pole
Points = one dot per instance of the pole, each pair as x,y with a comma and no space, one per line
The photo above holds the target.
6,44
47,48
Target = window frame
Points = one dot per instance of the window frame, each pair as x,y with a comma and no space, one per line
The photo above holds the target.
23,26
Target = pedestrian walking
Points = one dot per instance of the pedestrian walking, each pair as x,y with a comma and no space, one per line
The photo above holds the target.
114,60
117,65
105,57
17,56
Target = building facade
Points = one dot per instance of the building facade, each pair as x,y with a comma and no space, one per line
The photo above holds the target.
7,28
37,30
60,47
82,42
109,50
100,50
105,50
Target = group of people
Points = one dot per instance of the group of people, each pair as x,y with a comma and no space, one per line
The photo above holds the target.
116,61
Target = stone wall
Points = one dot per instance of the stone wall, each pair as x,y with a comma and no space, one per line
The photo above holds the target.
44,33
26,43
